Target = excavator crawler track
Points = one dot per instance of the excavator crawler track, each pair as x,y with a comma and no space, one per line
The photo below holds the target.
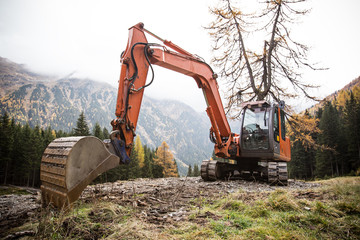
277,173
69,164
204,170
274,173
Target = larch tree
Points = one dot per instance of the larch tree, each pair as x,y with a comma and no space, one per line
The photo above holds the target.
139,152
273,71
165,159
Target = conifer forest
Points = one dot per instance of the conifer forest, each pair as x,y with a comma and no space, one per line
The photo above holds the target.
22,147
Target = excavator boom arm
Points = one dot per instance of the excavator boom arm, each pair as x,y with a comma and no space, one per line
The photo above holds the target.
136,60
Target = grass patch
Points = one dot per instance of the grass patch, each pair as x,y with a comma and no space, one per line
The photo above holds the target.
282,201
282,216
84,221
13,190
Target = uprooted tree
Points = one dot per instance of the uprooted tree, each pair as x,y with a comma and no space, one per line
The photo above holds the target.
271,72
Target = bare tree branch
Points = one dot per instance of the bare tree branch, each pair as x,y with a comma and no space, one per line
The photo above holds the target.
274,72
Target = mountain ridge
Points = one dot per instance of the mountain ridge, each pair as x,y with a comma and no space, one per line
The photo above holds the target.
46,101
339,96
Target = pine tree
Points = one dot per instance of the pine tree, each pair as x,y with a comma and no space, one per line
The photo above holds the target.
18,171
97,131
297,165
189,173
82,128
328,162
176,170
27,153
196,171
61,133
6,145
352,129
147,171
35,154
157,169
49,136
134,168
106,133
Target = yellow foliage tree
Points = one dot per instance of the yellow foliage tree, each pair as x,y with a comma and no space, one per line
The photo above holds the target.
301,128
165,159
140,151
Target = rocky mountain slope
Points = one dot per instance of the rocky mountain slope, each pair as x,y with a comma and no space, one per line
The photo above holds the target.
46,101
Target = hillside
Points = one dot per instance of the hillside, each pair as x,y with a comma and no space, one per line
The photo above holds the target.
339,96
46,101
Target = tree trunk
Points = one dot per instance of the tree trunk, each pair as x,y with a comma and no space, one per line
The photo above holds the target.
6,172
332,168
359,154
33,177
28,180
337,168
13,179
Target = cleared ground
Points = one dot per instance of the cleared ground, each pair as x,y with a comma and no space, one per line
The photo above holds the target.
188,208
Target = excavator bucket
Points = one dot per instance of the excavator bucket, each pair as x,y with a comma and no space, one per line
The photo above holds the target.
69,164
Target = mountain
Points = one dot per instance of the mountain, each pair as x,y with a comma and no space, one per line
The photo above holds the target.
47,101
185,130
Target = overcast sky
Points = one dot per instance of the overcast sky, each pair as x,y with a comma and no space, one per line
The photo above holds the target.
87,37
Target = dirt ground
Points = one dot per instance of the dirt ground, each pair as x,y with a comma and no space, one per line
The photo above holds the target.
158,201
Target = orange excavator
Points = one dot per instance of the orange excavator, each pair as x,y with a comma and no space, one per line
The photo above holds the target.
260,149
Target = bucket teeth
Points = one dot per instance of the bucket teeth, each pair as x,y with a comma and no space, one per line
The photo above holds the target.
53,170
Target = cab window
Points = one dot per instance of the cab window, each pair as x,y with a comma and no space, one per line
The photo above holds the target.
283,129
255,130
276,125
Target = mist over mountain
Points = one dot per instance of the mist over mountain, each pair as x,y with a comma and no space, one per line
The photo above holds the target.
47,101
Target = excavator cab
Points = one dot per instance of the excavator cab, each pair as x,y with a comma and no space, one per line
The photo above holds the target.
263,132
